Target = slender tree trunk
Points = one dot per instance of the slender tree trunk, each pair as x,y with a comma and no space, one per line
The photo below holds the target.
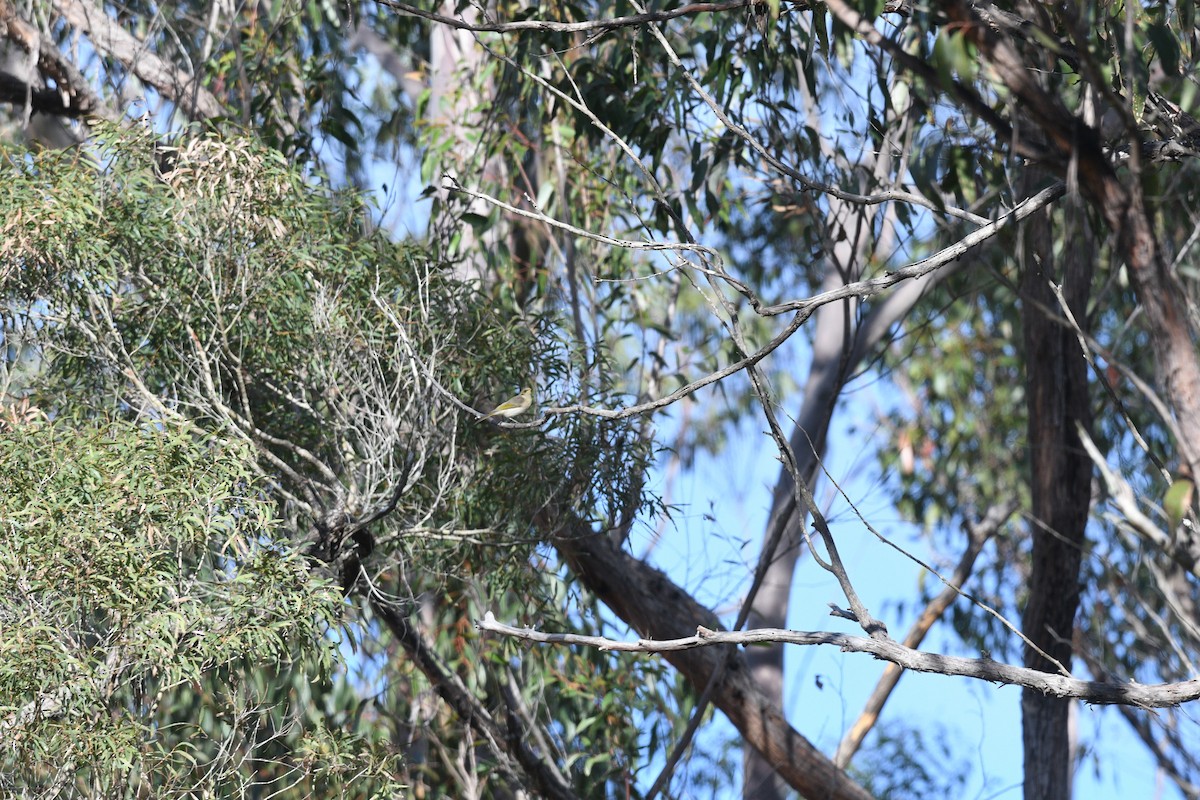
760,780
457,108
1061,476
658,609
840,341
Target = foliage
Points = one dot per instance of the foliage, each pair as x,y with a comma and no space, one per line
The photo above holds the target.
235,292
902,762
142,560
671,181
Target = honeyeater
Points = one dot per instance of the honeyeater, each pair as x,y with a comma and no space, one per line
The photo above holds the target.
513,406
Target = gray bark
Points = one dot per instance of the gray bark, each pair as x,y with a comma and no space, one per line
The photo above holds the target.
1061,478
840,342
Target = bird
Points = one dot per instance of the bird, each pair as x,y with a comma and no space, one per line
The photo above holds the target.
513,406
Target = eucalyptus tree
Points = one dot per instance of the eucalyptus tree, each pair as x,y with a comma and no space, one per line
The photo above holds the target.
819,168
657,201
245,307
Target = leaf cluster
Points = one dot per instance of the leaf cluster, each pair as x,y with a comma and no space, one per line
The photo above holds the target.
139,559
233,291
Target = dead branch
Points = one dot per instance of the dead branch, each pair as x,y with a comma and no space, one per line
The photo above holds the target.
1162,695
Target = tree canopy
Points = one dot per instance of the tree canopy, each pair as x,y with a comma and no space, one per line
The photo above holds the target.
261,541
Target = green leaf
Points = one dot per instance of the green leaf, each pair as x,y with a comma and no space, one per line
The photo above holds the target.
1166,46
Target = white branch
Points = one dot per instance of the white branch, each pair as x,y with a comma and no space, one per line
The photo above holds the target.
1099,692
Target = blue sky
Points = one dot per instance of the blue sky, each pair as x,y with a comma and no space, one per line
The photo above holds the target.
724,501
712,539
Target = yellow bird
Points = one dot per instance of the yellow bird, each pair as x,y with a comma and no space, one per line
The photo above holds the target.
513,406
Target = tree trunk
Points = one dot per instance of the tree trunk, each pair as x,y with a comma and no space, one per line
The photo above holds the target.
1061,478
840,342
825,378
658,609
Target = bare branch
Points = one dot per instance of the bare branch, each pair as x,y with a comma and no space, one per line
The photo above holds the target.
112,40
977,536
510,747
918,269
655,606
550,26
803,309
1163,695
